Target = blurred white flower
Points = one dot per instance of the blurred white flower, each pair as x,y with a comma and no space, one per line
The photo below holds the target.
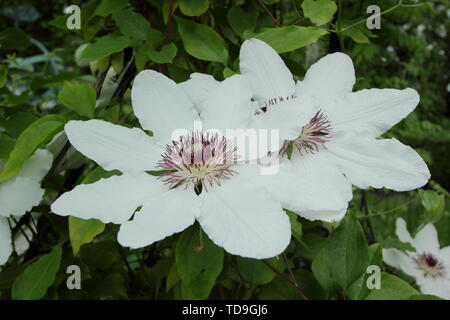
429,265
339,146
20,194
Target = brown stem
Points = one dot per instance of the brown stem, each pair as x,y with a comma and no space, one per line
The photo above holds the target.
271,267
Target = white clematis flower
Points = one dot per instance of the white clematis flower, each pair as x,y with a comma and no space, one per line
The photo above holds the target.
20,194
429,265
236,214
339,145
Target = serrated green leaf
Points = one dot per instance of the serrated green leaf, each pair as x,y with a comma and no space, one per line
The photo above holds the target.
37,277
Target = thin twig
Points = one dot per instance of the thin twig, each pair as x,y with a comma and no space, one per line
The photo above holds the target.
269,13
271,267
294,280
169,21
388,211
398,5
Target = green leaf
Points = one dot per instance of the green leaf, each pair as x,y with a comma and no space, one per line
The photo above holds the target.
104,46
290,38
6,145
165,55
106,7
358,290
202,42
132,24
17,122
83,231
345,256
391,242
296,226
199,261
319,11
392,288
433,203
36,135
242,21
14,39
357,35
79,98
37,277
424,297
3,74
254,271
194,8
278,289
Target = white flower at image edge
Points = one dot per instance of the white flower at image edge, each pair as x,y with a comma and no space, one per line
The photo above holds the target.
339,145
20,194
237,214
429,265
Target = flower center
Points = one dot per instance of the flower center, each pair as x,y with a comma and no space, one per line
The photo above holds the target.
198,159
430,265
313,136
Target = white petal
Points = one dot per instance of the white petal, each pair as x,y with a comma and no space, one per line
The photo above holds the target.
5,241
37,166
426,239
372,111
19,195
438,287
160,217
328,79
399,260
160,105
113,146
402,231
286,118
228,106
309,186
199,87
378,163
444,254
265,70
109,200
245,220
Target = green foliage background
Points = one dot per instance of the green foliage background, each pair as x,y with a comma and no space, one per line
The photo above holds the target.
46,79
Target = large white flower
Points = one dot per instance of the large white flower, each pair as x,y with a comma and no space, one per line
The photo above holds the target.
339,145
201,181
20,194
429,265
